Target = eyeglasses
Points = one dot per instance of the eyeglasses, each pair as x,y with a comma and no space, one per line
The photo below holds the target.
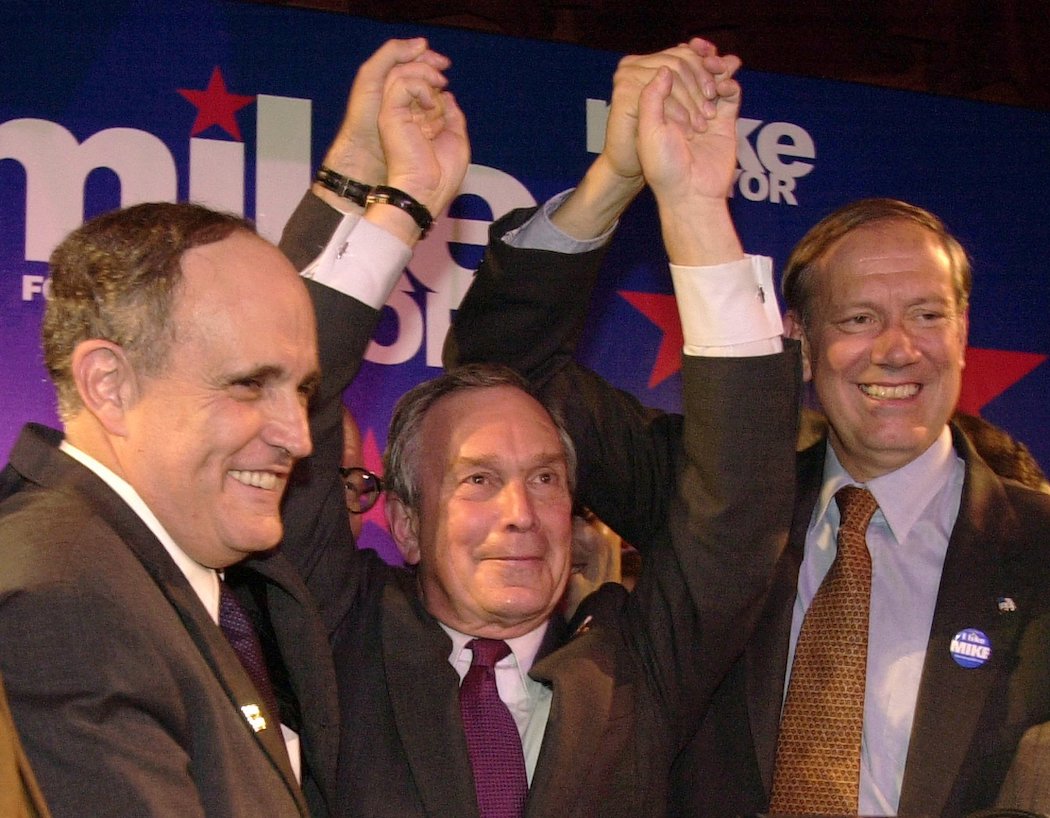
362,489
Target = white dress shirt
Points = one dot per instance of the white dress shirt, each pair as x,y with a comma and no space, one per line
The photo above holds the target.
203,580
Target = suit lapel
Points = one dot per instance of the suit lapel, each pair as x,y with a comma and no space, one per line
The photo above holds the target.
583,685
40,462
424,696
951,698
293,640
218,653
766,654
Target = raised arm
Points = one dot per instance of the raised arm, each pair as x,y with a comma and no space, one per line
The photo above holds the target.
404,130
705,577
527,308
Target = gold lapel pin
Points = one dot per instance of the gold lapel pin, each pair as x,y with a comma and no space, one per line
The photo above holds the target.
253,715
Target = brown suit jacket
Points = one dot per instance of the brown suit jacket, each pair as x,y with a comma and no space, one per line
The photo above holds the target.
20,796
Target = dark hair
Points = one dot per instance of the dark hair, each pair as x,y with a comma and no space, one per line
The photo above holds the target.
401,460
115,277
814,246
1008,457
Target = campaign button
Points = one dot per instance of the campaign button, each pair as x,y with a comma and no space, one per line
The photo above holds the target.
970,648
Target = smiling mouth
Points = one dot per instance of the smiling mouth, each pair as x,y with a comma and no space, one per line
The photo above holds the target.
265,480
898,392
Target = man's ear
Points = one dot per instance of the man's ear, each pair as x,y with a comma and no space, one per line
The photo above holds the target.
404,528
793,328
105,381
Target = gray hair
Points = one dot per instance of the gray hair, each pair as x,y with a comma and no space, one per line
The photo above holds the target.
401,460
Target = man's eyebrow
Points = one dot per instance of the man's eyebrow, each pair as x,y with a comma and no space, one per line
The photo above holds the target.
271,372
311,383
263,372
488,460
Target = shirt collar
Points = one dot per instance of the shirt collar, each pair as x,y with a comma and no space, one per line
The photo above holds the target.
204,580
902,495
523,649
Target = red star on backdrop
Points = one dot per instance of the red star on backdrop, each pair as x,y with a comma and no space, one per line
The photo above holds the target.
374,463
988,372
216,106
663,312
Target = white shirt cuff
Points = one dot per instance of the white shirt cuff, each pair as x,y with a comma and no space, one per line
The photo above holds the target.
361,260
729,310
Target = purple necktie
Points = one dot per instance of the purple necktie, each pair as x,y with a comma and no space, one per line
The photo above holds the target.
492,737
241,635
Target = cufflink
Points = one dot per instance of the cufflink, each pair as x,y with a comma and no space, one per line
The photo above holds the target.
584,626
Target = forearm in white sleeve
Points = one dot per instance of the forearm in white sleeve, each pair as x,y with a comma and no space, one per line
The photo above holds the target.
361,260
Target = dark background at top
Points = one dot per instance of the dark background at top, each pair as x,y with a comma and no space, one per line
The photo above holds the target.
990,50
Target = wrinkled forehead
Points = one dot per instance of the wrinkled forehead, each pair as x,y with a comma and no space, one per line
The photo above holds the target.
497,420
893,254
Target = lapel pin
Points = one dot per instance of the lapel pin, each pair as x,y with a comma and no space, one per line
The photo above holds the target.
585,626
1006,604
254,717
970,648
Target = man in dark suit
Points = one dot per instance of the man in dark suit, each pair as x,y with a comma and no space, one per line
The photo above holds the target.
480,478
184,407
183,348
957,553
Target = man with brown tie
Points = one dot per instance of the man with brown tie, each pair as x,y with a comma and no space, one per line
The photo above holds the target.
953,637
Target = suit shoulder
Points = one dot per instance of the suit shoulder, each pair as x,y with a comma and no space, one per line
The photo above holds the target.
53,536
1032,506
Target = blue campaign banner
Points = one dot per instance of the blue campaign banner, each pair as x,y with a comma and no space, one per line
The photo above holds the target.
233,104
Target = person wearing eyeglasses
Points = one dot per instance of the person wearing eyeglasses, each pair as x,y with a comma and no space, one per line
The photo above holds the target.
362,486
575,723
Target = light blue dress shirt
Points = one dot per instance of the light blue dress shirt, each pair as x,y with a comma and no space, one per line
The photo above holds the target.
907,539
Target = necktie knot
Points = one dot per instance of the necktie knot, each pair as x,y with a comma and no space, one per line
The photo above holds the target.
856,508
487,652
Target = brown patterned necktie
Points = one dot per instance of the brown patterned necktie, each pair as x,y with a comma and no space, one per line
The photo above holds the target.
818,748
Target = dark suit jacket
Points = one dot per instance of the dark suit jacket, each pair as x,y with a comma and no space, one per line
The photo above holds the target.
1027,784
126,693
20,796
968,722
629,683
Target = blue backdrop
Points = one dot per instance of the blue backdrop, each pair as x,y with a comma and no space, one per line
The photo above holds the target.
111,103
